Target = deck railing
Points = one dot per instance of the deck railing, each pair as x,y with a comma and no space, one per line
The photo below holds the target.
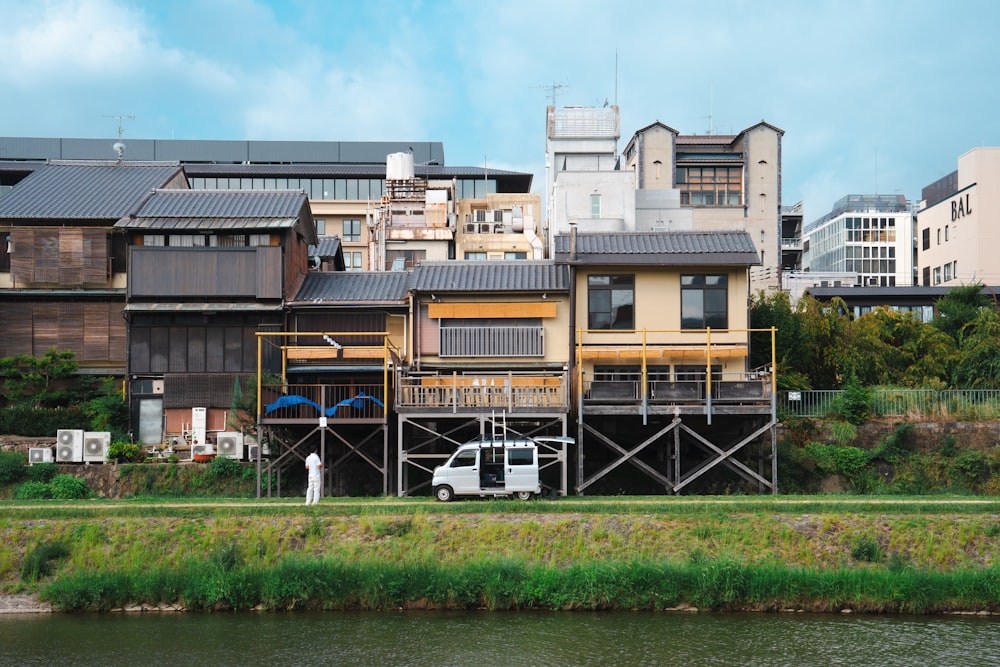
309,402
487,391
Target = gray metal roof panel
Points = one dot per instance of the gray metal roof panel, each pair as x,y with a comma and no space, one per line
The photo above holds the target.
353,287
224,204
201,224
491,276
328,246
84,190
339,170
684,247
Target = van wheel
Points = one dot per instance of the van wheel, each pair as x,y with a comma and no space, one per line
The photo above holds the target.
444,493
524,495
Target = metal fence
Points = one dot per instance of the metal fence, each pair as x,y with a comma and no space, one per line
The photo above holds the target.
959,404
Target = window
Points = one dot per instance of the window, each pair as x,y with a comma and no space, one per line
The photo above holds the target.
710,186
947,271
926,242
320,226
475,255
704,301
595,206
521,457
464,460
926,276
611,302
352,261
515,255
939,236
937,275
946,232
409,257
352,231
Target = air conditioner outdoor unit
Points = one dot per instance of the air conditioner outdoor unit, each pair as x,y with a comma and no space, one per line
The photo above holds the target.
69,445
200,449
95,446
230,445
39,455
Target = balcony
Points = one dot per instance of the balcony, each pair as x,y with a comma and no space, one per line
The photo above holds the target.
486,392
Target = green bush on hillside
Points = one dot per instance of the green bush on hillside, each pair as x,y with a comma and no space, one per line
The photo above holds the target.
11,467
33,491
67,487
41,472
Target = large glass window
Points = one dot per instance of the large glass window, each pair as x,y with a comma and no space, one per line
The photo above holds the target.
595,206
611,302
352,231
710,186
704,302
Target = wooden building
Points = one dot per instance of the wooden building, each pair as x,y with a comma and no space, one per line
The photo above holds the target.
208,270
62,267
660,363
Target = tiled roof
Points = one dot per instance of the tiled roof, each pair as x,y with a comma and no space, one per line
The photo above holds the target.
347,287
328,246
661,248
223,204
478,276
84,190
178,210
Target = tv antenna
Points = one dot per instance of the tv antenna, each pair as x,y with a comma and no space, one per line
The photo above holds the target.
119,145
553,88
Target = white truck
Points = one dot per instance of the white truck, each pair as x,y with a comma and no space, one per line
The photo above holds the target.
492,467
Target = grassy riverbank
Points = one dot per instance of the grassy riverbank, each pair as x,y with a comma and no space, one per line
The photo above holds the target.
810,553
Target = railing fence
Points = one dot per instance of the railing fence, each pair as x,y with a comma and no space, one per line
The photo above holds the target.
965,404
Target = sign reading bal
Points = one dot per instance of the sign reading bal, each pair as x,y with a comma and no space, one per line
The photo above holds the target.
961,207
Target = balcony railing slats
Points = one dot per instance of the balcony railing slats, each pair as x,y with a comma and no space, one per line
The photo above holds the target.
492,341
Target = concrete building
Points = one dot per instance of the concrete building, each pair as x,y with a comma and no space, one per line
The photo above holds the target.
712,183
870,236
957,232
585,185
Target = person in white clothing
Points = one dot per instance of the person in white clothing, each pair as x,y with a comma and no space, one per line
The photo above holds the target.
314,466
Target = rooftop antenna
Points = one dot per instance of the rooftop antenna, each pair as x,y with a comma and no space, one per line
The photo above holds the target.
119,146
711,94
553,88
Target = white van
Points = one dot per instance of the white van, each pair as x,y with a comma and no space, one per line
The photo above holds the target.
491,468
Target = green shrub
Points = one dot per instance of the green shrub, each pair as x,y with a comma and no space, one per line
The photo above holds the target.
843,432
39,422
224,467
854,402
867,550
11,467
33,491
896,446
968,469
41,472
38,562
67,487
124,451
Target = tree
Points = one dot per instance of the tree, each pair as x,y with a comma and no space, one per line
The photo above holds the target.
958,308
979,364
39,381
775,310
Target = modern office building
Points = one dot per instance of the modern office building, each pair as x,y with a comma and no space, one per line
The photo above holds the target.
957,231
869,236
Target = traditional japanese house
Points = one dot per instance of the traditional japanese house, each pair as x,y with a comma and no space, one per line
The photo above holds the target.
660,363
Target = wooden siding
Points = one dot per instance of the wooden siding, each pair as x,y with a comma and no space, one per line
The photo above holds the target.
66,256
491,310
247,273
93,331
193,349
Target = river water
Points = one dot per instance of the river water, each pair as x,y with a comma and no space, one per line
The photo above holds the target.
496,639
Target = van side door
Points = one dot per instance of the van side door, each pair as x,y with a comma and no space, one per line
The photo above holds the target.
522,469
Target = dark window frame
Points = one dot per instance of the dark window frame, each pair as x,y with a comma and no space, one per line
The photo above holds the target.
708,294
611,301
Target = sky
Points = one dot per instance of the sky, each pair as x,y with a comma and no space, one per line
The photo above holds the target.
877,96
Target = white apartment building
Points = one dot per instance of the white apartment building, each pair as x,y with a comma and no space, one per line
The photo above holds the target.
958,234
869,236
584,184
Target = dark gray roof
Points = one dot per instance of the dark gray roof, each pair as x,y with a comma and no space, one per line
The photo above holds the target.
720,248
84,190
328,246
172,210
353,288
344,170
490,276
